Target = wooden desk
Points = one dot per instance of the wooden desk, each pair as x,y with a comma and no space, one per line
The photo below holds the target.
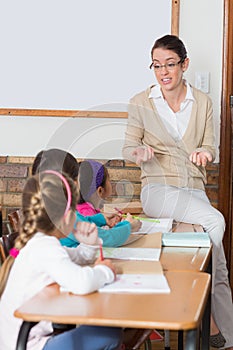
182,309
186,258
178,258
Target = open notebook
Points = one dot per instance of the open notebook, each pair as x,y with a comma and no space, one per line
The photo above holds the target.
151,225
138,283
138,277
147,247
151,254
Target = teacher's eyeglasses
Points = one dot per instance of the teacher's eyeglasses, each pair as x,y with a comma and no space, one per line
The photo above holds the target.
168,66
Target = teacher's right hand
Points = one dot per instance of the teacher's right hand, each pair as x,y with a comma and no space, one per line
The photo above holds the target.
143,154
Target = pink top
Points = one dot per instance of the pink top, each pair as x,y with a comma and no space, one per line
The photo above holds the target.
87,209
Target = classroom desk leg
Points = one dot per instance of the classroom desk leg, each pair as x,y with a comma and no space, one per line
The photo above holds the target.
205,325
23,335
191,339
167,339
180,340
205,331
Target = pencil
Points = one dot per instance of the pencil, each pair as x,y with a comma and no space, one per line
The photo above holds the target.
137,217
146,219
118,210
101,253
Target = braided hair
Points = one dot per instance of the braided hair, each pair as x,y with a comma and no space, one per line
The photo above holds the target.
44,202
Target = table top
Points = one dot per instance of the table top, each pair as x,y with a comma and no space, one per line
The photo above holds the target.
182,308
179,258
185,258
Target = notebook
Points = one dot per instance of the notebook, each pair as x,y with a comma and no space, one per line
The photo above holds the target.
150,254
186,239
138,283
151,225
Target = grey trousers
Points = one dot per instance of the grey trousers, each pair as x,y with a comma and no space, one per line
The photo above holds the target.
193,206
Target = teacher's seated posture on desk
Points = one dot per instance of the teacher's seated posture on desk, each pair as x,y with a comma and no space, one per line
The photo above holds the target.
38,259
170,135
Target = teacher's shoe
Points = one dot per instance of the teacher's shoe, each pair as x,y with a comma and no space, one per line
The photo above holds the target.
217,340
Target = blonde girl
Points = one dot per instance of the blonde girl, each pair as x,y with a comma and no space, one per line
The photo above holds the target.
38,259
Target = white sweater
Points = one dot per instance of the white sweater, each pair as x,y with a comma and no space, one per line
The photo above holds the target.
41,262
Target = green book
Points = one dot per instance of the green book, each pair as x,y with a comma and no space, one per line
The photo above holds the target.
185,239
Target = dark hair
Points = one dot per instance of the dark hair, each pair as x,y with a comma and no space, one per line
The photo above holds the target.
56,159
92,175
170,42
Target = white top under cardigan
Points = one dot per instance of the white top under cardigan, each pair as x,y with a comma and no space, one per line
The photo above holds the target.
41,262
175,122
171,164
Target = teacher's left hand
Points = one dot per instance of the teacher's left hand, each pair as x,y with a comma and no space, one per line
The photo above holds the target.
200,158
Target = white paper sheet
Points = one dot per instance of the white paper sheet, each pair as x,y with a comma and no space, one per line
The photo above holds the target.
151,225
138,283
151,254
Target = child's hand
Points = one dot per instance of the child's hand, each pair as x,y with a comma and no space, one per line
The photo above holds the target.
112,219
86,232
135,224
107,263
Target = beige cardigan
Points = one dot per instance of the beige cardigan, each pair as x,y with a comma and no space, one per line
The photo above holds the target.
171,164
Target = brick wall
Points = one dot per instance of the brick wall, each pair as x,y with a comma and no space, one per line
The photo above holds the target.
125,178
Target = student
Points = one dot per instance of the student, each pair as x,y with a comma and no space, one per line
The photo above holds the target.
38,259
63,161
94,187
170,135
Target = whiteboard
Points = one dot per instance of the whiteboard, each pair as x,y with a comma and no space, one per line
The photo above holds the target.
77,54
83,137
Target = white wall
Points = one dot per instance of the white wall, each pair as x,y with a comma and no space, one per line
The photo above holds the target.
76,54
201,29
201,23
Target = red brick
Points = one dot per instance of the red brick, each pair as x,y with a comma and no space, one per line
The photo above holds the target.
3,185
133,189
126,174
3,159
11,200
13,171
16,185
115,163
118,189
20,160
4,215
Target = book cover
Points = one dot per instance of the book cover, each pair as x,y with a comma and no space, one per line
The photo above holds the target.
186,239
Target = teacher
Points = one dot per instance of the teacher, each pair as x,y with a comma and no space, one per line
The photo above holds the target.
170,135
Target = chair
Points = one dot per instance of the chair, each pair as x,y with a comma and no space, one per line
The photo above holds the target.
9,239
8,242
14,219
134,338
2,252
